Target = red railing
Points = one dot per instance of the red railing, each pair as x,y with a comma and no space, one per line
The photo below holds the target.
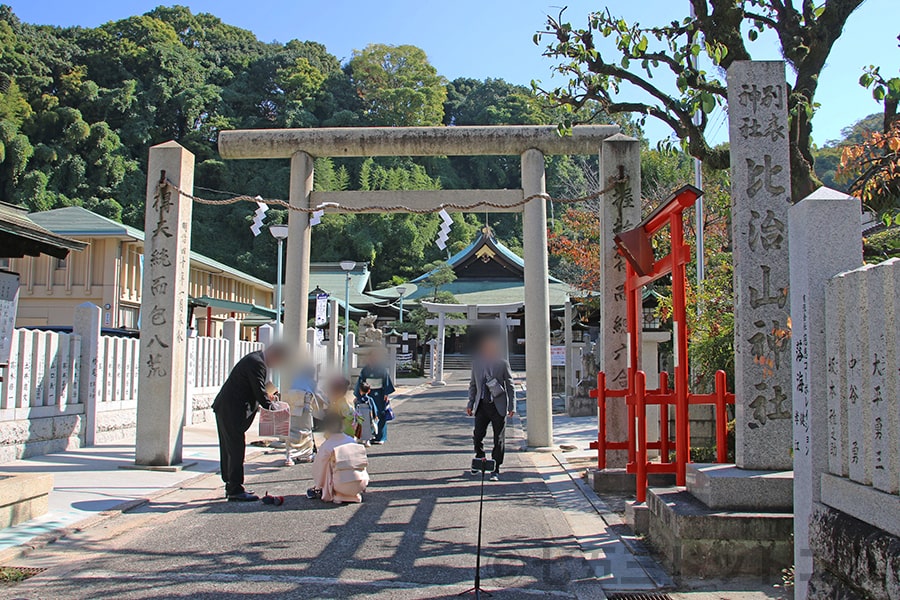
641,269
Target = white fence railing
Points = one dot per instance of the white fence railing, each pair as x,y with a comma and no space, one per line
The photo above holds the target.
42,376
50,401
120,365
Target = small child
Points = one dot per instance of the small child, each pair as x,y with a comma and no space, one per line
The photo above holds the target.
366,421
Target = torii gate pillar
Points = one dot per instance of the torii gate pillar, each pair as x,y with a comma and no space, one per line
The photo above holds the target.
296,285
538,395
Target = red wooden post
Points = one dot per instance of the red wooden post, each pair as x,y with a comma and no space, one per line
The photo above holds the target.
721,424
601,418
640,384
664,418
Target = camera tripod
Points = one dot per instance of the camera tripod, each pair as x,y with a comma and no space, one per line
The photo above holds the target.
476,589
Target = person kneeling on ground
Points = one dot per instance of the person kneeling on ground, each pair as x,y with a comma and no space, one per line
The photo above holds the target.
339,471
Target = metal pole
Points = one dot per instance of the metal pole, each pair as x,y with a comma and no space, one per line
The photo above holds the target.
278,291
401,309
698,181
347,326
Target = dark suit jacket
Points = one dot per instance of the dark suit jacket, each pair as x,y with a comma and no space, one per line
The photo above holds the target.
501,371
244,391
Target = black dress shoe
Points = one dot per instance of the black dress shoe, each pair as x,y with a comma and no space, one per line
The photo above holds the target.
243,497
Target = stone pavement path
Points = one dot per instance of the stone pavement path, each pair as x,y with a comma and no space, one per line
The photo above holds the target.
413,537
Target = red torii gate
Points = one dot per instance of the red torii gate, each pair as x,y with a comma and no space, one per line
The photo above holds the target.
641,269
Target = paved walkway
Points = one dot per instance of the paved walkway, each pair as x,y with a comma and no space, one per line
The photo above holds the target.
414,537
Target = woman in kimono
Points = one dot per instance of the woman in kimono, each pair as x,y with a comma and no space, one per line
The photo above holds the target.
339,470
377,375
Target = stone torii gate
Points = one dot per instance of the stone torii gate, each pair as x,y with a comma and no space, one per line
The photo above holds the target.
531,143
472,312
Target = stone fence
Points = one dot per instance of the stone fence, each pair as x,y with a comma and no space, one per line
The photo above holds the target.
846,401
66,390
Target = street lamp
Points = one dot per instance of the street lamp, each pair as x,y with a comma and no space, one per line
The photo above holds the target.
347,266
401,291
280,233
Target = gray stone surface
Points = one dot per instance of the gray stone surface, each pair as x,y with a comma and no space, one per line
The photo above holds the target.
621,211
412,141
116,426
728,487
637,516
696,541
760,196
163,354
23,497
33,437
618,480
824,241
853,559
858,374
862,502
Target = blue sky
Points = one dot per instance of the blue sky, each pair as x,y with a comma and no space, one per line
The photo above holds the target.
492,38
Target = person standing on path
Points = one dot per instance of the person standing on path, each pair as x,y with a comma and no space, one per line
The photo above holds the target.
492,398
377,375
235,408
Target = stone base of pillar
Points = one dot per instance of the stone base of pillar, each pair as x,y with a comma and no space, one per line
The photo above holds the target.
439,383
694,540
727,487
162,468
619,481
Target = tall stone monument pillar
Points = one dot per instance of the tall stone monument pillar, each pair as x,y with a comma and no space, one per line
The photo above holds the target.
824,242
537,307
296,285
164,317
620,155
760,196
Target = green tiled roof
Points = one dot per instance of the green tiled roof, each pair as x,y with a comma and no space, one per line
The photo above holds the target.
79,222
21,236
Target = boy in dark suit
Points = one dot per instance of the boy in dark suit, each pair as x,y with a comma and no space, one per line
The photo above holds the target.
235,407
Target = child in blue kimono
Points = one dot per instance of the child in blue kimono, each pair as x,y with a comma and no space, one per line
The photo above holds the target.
378,378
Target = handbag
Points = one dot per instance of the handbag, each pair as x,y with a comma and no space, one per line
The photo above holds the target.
388,413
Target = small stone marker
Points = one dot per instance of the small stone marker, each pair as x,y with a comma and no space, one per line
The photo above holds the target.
761,194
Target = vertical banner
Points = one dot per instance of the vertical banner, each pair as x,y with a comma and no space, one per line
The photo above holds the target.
321,317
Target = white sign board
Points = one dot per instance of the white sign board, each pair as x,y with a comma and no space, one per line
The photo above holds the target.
9,300
558,356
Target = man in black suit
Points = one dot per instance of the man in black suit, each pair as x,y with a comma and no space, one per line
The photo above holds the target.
235,407
492,398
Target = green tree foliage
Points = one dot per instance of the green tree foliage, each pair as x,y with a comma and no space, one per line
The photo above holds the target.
397,85
80,108
607,53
